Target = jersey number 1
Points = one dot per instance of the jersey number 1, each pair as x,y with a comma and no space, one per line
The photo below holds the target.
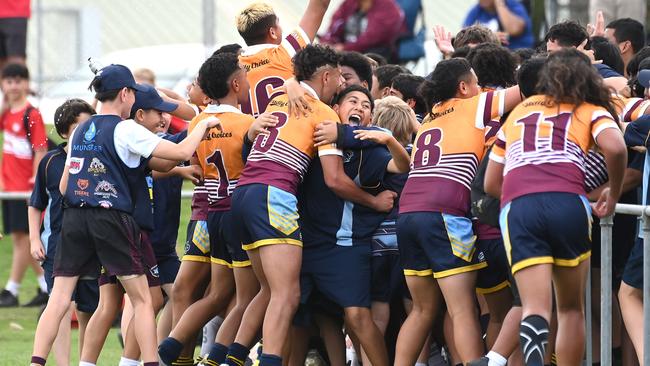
532,122
216,160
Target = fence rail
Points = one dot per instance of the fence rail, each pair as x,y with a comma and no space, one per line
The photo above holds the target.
605,278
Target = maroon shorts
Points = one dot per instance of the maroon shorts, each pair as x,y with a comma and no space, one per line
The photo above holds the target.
148,260
96,237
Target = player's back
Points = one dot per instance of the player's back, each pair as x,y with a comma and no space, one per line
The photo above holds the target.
220,154
267,67
446,153
281,157
544,145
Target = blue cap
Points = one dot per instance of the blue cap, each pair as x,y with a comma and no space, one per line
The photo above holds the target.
644,78
116,77
148,98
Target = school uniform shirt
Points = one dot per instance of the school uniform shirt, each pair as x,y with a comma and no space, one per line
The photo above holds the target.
325,218
167,208
544,146
18,149
281,157
268,66
46,195
447,150
220,154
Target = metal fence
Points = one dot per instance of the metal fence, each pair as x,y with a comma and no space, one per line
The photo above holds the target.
606,294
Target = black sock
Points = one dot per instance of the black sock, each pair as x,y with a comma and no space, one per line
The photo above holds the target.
217,354
237,354
533,336
38,360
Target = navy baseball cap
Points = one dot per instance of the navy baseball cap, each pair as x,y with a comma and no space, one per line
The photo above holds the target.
148,98
116,77
644,78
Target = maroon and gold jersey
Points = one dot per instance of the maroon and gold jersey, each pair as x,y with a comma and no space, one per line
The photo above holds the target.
268,66
447,149
220,154
543,146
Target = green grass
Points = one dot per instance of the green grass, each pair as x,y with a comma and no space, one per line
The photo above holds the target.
17,325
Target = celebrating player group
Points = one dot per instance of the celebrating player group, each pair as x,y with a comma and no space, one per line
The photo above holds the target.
339,197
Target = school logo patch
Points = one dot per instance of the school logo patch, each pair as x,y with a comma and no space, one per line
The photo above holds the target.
82,184
89,136
154,271
76,164
105,190
96,167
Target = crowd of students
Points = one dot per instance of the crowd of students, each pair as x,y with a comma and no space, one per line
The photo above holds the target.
339,198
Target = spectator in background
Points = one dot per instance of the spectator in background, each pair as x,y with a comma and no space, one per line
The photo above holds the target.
13,31
506,17
617,9
628,34
25,144
366,26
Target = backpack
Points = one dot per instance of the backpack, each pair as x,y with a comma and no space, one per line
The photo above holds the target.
484,207
28,132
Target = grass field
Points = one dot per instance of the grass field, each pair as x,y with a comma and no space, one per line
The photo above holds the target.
17,325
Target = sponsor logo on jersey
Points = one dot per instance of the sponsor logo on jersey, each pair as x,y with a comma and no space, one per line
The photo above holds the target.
255,65
105,190
218,135
105,204
76,164
96,167
89,136
82,184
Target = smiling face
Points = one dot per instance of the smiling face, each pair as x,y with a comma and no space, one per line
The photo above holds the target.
354,108
150,119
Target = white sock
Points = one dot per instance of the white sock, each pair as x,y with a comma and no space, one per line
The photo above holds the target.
12,287
42,284
128,362
83,363
420,364
496,359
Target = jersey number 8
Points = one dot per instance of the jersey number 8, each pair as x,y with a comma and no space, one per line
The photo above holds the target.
427,149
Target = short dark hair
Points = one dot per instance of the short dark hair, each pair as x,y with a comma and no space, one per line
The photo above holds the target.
311,58
15,70
386,73
379,59
360,64
408,85
354,88
107,95
523,54
66,114
628,29
461,52
608,52
228,48
528,75
214,75
633,66
493,64
568,33
474,34
442,83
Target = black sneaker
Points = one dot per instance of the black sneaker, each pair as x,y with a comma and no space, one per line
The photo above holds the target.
7,299
483,361
39,300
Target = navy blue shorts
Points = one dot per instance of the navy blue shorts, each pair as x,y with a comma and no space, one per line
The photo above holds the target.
340,273
168,267
219,227
85,295
543,228
494,277
633,274
197,242
265,215
433,243
388,280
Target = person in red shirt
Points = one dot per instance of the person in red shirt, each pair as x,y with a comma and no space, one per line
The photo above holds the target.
24,146
13,31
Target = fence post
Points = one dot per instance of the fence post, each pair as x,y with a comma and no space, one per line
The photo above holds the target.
646,288
606,224
588,316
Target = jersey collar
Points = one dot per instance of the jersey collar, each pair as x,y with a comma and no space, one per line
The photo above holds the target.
251,50
309,89
221,108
